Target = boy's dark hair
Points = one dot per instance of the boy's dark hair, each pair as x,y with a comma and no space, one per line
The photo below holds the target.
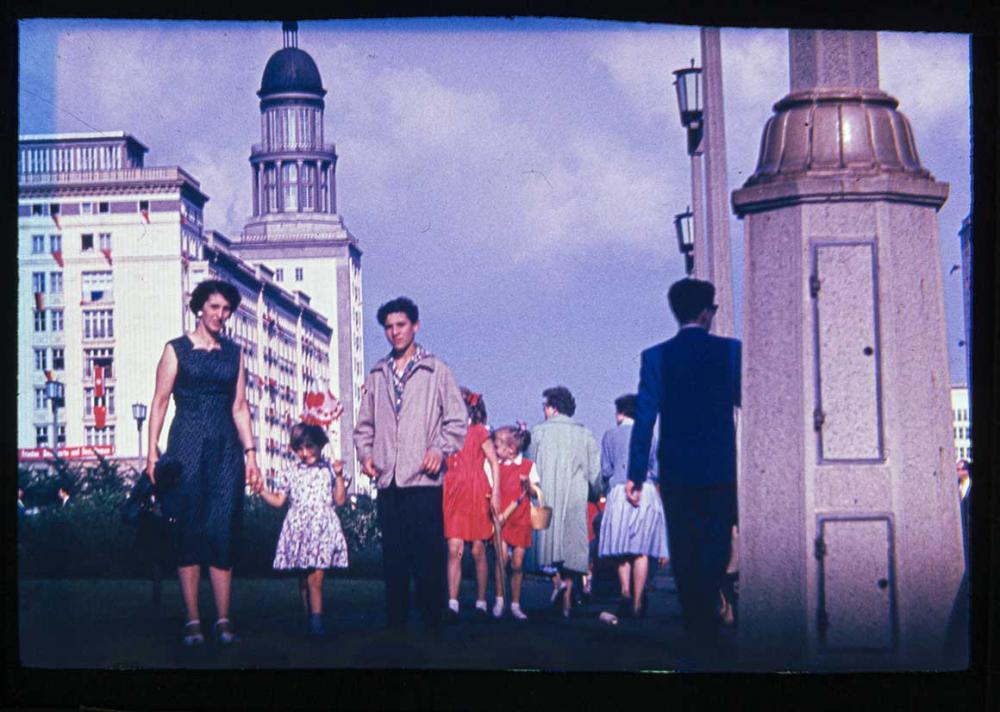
399,304
626,405
308,435
520,436
561,399
475,404
207,288
689,297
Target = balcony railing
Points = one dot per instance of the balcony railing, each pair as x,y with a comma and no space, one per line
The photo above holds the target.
163,173
296,146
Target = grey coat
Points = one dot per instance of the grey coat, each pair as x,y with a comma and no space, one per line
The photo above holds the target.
569,463
432,415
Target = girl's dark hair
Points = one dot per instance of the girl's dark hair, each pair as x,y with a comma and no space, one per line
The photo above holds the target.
309,435
626,405
475,404
399,304
518,433
561,399
209,287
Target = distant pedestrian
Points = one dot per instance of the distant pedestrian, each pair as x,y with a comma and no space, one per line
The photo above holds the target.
412,417
569,465
964,486
311,538
692,382
631,535
518,481
468,494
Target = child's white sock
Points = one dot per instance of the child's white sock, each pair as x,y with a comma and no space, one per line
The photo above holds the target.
452,604
515,606
498,607
481,605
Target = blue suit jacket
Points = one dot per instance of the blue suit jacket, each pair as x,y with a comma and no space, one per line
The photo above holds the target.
693,382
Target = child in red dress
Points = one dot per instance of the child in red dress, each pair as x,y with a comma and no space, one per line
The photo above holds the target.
518,476
467,496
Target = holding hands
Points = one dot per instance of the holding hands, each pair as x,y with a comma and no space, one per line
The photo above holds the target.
633,493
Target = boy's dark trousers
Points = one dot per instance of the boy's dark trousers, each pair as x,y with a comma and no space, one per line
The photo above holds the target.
412,524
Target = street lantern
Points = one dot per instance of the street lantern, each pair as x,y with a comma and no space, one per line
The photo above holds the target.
55,391
139,413
689,95
685,238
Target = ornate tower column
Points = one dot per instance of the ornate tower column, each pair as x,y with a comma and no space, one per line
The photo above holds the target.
851,553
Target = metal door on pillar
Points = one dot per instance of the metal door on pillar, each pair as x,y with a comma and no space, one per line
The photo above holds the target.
856,610
847,415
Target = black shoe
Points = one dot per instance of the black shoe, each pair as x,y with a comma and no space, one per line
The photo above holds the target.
624,607
481,615
451,617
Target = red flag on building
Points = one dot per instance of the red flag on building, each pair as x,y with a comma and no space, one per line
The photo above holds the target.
57,256
145,215
55,219
49,376
107,254
100,409
39,301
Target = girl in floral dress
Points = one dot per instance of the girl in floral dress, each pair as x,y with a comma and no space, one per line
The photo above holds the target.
311,538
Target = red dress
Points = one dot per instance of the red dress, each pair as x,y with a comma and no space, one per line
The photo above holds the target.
466,490
517,529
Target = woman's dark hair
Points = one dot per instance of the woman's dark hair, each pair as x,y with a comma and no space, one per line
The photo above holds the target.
626,405
561,399
517,433
688,297
399,304
475,404
209,287
309,435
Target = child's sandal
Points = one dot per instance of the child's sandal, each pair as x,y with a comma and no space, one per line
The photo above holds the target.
193,636
224,634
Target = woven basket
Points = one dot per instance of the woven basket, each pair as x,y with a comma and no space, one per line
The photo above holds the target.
541,515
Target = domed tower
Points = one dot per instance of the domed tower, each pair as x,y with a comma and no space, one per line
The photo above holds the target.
294,228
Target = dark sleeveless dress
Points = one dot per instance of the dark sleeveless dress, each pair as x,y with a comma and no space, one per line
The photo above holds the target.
207,501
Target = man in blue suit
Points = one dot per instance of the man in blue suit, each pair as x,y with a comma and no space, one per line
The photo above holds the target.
692,382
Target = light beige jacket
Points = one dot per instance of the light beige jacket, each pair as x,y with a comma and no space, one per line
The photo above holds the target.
433,415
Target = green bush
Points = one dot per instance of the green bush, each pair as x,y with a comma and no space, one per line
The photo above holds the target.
87,539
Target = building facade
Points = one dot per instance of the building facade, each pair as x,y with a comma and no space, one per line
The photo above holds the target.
294,227
109,251
962,422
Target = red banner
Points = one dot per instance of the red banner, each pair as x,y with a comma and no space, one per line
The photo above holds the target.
100,410
57,256
73,452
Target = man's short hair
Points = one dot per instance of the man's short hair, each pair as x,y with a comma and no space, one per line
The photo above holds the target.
689,297
561,399
626,405
399,304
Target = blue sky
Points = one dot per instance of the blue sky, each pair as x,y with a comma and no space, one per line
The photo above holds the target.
516,178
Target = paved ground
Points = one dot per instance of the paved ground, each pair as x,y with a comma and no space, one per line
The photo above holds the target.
110,624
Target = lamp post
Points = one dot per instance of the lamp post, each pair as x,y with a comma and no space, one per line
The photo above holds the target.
139,413
685,240
690,104
54,391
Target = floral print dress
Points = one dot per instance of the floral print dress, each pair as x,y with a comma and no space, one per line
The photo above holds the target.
311,536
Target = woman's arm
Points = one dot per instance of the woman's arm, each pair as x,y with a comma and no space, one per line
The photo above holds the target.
241,417
166,374
491,457
275,499
339,486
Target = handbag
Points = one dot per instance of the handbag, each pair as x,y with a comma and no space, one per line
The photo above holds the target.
541,515
142,500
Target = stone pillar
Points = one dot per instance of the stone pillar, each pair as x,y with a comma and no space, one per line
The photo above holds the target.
851,551
256,189
716,185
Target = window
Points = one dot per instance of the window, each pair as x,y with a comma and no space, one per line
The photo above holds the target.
106,241
58,359
55,243
105,356
38,282
38,209
55,282
40,398
270,190
37,244
86,242
54,209
103,208
88,400
290,187
308,187
41,435
298,274
279,275
57,319
143,206
98,324
87,208
61,437
103,436
41,359
97,287
39,320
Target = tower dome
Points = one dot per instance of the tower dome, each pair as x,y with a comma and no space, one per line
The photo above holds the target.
290,70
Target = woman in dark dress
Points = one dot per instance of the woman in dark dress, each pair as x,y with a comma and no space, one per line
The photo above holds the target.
209,438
